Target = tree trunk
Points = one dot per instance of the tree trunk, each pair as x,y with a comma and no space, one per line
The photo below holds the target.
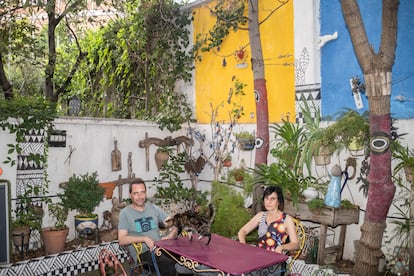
51,64
411,242
260,93
4,82
377,69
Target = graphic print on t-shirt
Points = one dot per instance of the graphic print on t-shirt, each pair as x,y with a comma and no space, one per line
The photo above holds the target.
144,224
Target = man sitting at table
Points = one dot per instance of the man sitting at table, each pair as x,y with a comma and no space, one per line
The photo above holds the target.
138,223
276,229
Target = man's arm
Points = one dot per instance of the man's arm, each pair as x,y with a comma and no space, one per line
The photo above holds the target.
124,239
172,234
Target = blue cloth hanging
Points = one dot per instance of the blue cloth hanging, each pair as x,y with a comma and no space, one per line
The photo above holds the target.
333,195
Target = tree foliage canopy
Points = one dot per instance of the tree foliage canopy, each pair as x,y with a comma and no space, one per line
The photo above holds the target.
128,68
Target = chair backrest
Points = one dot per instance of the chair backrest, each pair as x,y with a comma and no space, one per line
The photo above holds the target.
300,231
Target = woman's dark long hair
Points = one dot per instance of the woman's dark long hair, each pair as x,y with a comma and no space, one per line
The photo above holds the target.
275,189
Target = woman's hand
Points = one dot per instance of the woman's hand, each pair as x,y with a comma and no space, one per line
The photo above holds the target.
279,249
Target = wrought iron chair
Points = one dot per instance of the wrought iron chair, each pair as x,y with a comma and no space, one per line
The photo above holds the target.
137,267
300,230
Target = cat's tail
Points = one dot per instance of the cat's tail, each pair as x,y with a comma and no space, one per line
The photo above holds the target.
212,214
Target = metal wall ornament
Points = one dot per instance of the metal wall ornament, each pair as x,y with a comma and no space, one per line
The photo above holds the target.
380,142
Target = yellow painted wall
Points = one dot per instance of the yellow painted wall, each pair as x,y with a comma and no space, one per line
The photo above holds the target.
213,80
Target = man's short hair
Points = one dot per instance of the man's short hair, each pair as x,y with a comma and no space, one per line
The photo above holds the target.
137,181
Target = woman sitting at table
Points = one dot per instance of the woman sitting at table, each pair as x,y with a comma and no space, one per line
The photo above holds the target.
276,229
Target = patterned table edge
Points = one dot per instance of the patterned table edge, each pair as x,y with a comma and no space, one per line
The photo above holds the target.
65,263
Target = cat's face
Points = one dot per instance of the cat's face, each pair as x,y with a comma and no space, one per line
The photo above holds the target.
169,223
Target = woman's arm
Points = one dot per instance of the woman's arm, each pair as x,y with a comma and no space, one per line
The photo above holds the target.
249,227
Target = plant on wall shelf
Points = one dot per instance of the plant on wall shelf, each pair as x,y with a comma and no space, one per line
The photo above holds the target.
246,140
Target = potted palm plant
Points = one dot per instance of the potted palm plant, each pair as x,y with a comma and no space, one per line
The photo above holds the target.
54,237
83,194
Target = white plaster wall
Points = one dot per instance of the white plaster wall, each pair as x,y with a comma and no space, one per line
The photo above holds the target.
93,140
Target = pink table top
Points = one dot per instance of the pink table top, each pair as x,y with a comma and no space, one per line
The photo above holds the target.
222,253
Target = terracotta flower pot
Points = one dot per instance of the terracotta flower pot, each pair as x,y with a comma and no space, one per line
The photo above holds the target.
21,236
160,158
109,189
227,163
54,240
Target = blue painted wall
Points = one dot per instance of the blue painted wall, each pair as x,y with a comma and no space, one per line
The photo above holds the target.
339,64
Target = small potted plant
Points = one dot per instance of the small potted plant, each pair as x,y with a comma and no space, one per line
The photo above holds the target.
246,140
227,161
22,224
83,194
54,237
405,161
25,219
237,174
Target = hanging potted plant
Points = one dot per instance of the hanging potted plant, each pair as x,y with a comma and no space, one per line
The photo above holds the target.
319,142
351,129
227,161
83,194
246,140
405,159
54,237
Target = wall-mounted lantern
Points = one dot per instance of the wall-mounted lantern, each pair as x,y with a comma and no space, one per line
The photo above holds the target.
74,106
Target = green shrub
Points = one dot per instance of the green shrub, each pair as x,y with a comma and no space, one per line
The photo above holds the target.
231,214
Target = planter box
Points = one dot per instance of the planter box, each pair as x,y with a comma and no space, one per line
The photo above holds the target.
325,215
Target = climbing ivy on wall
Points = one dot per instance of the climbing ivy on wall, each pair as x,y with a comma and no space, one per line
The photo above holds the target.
21,115
134,62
